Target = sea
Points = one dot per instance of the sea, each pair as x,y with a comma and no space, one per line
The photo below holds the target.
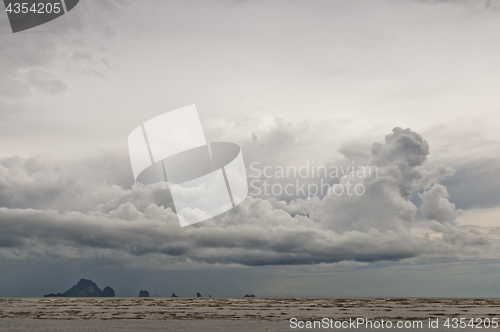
247,314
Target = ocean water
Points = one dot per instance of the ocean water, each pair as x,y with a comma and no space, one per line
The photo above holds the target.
254,314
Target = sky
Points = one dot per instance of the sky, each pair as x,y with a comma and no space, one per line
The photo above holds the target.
408,87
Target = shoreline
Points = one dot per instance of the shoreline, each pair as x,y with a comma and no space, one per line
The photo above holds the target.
246,309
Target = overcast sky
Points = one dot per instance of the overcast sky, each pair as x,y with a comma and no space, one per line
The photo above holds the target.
408,86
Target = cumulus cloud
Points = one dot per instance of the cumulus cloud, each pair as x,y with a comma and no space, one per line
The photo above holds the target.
436,206
89,209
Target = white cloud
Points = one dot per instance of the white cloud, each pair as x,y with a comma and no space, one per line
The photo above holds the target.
436,206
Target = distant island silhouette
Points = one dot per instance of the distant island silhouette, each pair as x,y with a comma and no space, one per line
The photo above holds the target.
85,288
88,288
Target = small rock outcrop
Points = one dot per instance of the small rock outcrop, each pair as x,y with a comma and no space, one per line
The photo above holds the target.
173,295
84,288
251,295
143,293
108,292
198,295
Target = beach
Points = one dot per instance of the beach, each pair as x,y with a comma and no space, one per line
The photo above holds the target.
254,314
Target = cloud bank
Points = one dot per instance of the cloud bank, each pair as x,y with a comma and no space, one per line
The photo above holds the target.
89,210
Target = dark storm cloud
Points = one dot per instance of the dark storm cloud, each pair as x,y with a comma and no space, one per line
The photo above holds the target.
39,233
88,210
476,184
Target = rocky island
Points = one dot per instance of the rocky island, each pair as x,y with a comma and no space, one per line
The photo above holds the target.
85,288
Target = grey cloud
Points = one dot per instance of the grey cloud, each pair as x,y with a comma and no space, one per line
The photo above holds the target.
481,5
33,53
399,160
436,206
476,183
439,173
279,139
404,149
41,182
19,54
81,56
89,210
78,236
46,83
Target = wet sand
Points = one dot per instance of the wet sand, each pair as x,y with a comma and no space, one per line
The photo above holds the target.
219,314
24,325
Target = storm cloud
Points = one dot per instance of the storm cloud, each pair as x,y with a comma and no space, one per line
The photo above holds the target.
76,211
